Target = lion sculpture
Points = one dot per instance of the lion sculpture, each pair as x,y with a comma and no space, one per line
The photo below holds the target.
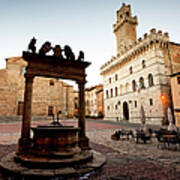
81,56
57,51
68,53
32,46
46,47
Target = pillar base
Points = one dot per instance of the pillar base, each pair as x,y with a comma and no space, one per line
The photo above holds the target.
84,143
24,145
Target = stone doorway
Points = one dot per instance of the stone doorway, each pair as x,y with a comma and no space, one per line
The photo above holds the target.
20,110
125,111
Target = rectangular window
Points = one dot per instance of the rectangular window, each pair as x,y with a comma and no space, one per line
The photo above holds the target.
151,102
20,108
116,77
51,83
50,110
107,94
116,91
135,104
111,92
178,80
109,80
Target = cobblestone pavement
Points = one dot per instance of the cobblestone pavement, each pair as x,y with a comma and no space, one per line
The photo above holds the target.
126,160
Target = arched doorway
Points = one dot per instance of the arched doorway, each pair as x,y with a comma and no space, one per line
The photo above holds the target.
125,111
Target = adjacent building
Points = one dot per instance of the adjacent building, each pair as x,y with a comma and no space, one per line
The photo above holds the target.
175,90
49,95
100,101
139,75
94,101
76,103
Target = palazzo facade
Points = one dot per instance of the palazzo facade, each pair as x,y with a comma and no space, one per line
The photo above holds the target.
140,72
49,95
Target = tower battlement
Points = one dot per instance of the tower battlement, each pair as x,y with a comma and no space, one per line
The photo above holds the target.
124,15
125,27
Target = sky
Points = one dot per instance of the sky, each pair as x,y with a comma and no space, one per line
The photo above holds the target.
83,24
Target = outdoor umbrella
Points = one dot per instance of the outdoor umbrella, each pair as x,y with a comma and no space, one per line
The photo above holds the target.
143,118
171,126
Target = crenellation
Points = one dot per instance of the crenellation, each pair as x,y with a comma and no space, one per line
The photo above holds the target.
166,36
160,32
139,40
153,31
145,35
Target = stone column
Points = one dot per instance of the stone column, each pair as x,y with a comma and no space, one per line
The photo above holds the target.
25,141
83,140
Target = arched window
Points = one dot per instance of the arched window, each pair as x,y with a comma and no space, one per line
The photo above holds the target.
116,77
121,89
151,102
141,83
134,85
135,104
111,92
143,63
107,94
109,80
150,80
127,87
131,70
116,91
127,13
51,83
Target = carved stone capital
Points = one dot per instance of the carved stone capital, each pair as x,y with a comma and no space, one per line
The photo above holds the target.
80,83
29,77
